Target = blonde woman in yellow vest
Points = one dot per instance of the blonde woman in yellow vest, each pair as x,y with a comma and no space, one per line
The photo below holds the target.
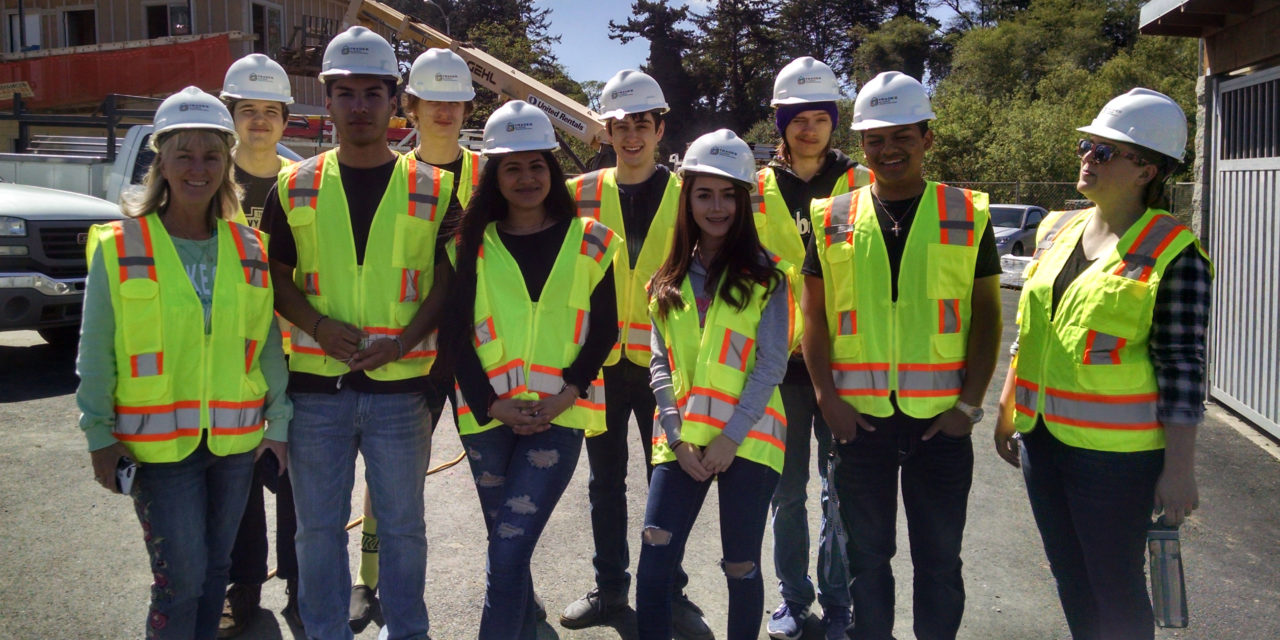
720,340
180,362
902,310
638,200
806,168
534,318
256,92
437,99
1101,404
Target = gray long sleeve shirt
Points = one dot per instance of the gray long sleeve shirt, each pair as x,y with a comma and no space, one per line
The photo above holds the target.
770,365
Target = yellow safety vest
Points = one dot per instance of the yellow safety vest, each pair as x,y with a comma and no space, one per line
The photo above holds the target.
915,347
524,345
1086,370
174,382
382,295
781,236
286,328
709,369
472,165
597,196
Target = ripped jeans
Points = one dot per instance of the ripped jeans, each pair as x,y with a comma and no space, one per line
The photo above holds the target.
519,480
675,499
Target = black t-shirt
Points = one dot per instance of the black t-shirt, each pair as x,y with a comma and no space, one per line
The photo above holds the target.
640,204
900,214
256,192
797,193
535,254
364,189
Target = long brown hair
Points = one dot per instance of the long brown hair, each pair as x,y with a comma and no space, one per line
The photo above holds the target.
154,195
741,260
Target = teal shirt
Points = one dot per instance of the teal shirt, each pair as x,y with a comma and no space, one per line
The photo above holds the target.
96,362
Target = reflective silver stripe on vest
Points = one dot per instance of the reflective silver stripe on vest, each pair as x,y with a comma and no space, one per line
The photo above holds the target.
311,283
638,337
735,349
1102,348
757,198
508,380
595,240
485,332
1052,234
135,260
580,328
1025,397
949,316
774,430
929,381
956,216
860,381
424,189
147,364
545,380
304,184
841,212
252,256
250,346
1117,412
588,195
1141,257
848,324
427,347
131,422
711,410
409,285
235,415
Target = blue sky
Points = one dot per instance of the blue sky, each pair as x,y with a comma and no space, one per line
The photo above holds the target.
585,48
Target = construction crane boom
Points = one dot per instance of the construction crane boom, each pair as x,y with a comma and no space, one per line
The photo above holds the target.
570,117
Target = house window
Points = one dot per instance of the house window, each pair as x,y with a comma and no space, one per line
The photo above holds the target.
80,27
170,19
266,21
13,42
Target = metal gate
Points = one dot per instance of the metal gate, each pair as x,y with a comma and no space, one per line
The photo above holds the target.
1244,242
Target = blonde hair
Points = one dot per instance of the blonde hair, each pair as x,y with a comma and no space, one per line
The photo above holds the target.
154,195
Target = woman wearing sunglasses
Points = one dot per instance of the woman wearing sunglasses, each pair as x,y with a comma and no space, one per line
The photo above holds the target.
1107,383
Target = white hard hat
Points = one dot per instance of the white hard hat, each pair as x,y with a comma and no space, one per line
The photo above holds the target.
805,80
440,75
359,52
631,91
721,153
1145,118
518,126
192,108
891,99
256,77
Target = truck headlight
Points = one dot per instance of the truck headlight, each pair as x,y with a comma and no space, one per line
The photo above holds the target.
12,227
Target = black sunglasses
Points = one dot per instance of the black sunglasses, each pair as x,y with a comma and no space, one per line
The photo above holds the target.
1103,152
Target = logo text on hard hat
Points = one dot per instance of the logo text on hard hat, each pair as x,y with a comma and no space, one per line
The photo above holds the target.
887,100
446,77
721,151
623,93
809,80
349,50
519,126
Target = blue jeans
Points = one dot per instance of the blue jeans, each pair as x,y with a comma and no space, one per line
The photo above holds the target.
627,393
936,477
190,511
790,520
391,432
675,499
1093,509
519,480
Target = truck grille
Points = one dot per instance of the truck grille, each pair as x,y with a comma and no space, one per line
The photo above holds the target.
62,243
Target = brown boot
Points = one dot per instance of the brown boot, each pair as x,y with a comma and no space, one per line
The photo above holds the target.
239,609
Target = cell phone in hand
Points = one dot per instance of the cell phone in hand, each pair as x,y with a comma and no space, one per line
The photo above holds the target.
125,470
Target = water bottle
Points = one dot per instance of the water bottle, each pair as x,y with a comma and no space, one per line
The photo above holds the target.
1168,588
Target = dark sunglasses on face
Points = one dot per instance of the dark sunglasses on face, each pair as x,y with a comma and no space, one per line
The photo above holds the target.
1103,153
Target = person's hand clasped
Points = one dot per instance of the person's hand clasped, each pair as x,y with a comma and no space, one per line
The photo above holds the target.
718,455
522,416
339,339
379,352
689,456
549,408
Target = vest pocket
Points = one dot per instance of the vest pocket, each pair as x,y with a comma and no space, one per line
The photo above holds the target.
414,243
141,314
302,222
839,263
950,346
950,273
1119,306
254,310
490,353
1112,378
848,347
726,378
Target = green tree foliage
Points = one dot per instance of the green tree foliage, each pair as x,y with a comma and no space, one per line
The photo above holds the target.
901,44
670,40
735,62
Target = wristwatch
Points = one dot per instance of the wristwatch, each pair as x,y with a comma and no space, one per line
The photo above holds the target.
974,413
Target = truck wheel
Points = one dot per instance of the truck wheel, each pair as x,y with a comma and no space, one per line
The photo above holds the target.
61,337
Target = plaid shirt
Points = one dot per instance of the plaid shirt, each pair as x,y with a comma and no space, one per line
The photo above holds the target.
1177,340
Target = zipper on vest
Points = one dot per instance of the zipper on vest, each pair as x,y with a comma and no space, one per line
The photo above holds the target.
893,349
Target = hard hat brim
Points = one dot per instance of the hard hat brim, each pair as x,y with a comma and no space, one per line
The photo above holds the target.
712,171
254,95
864,125
495,151
618,114
349,73
441,96
830,97
232,138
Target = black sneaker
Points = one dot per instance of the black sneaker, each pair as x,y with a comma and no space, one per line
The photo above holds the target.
687,621
290,611
364,607
592,610
239,609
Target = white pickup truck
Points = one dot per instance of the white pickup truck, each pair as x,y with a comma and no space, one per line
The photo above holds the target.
49,197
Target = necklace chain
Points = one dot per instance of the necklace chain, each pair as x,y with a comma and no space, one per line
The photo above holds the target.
897,222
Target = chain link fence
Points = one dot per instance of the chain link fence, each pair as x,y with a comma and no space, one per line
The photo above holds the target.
1058,196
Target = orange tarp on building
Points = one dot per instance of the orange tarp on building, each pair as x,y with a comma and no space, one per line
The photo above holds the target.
152,70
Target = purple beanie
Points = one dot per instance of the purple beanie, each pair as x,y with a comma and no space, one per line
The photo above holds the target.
787,112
